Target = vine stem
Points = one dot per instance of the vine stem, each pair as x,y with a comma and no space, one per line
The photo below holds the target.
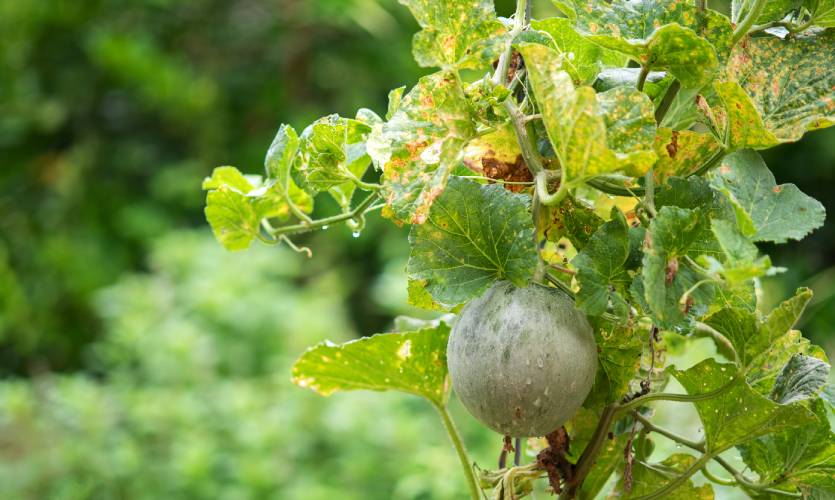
680,479
748,21
520,18
458,443
642,77
364,206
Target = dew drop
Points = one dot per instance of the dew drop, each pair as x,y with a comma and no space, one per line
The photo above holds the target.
355,234
324,227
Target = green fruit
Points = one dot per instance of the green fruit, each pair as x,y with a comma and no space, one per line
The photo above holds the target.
522,360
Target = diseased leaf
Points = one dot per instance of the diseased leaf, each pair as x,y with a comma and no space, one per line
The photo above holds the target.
796,459
421,144
773,10
454,32
576,123
582,59
601,268
739,120
497,155
395,97
419,297
737,414
659,35
681,152
411,362
630,128
675,234
778,213
801,378
791,81
570,219
475,235
647,478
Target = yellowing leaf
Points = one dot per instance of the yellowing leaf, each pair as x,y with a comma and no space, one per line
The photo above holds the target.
411,362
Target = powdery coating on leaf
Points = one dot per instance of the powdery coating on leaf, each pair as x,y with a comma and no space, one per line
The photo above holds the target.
475,235
778,212
790,81
454,32
738,414
421,144
411,362
661,35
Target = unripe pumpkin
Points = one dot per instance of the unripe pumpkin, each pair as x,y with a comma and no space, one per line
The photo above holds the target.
522,360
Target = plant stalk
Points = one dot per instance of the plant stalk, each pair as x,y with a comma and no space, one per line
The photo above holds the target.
458,443
748,21
364,206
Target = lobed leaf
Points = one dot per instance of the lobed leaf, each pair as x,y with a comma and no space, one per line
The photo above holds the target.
797,459
412,362
455,32
601,268
737,414
421,144
777,212
790,82
475,235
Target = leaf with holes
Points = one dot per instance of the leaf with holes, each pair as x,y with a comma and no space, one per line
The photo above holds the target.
411,362
475,235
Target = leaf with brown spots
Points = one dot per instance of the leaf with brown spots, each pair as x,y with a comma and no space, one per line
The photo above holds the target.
681,152
421,144
497,156
672,35
790,83
412,362
456,34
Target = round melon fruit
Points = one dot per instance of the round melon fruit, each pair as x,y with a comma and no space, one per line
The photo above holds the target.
522,360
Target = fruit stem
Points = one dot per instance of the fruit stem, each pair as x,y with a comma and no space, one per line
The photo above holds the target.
458,443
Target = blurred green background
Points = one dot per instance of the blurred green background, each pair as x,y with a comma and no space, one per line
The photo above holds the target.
138,360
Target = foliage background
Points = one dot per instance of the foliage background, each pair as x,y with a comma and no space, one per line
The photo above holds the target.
140,360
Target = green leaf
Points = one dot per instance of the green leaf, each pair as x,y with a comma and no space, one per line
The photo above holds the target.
411,362
791,81
232,217
619,360
475,235
601,268
742,261
454,32
418,296
737,414
278,165
582,59
658,35
778,212
333,157
802,458
676,233
650,477
801,378
773,10
395,97
421,144
823,12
